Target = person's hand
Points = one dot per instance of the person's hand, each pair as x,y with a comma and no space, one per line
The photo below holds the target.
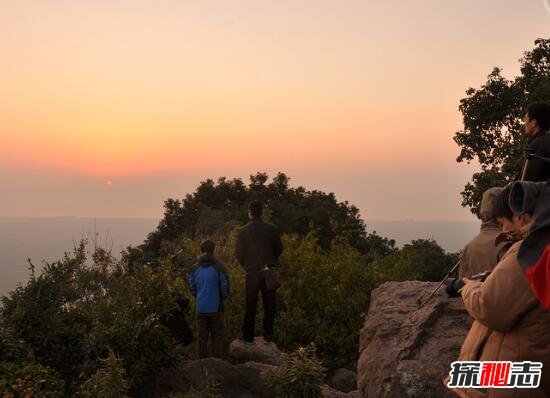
466,283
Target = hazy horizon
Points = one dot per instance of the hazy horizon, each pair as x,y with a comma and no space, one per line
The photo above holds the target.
48,238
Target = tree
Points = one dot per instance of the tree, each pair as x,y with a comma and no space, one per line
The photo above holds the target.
492,115
421,259
214,209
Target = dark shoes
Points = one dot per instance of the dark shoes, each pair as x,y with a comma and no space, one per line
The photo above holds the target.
247,341
267,340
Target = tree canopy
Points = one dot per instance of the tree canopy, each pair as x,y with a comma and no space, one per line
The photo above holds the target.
492,114
215,208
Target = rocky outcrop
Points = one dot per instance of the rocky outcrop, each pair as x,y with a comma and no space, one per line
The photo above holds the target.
246,374
259,351
195,374
406,351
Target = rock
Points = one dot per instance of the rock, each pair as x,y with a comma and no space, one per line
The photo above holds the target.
254,376
329,392
405,352
343,380
196,373
259,351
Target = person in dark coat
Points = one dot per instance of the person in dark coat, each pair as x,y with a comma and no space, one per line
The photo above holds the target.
537,127
258,247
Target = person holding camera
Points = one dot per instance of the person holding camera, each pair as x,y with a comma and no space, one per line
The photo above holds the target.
510,321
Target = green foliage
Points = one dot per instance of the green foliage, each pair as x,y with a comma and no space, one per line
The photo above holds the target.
29,380
209,389
77,312
324,297
216,208
493,132
422,259
108,382
301,374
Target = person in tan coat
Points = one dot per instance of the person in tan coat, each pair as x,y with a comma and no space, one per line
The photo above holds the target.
481,253
510,323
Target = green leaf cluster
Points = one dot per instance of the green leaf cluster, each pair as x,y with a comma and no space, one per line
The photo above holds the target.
492,115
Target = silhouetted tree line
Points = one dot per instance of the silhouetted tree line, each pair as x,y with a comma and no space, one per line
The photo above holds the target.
215,208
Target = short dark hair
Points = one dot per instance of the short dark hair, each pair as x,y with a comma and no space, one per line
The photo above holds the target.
208,246
501,206
540,111
256,208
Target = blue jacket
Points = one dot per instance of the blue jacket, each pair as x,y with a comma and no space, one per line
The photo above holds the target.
209,283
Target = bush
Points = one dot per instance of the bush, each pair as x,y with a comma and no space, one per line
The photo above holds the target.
107,382
78,312
301,374
324,297
29,380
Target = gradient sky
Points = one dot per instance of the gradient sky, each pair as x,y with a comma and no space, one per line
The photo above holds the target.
109,107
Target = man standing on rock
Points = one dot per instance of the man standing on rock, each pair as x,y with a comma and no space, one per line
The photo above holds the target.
481,253
257,249
209,283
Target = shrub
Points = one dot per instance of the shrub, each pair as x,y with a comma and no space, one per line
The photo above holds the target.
301,374
29,380
107,382
78,311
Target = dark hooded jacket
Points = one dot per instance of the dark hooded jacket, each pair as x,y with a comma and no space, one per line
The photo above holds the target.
536,169
209,283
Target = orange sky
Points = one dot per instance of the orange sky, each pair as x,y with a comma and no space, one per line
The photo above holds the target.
156,96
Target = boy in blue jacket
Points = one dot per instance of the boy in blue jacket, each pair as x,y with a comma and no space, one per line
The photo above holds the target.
209,283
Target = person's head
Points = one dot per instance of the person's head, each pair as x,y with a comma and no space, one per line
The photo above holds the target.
487,201
255,209
508,220
537,118
207,247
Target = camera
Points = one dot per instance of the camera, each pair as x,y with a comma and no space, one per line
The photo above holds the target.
455,284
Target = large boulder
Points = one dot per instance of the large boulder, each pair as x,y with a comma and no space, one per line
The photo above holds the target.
406,351
259,351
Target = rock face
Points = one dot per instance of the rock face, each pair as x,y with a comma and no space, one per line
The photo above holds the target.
405,352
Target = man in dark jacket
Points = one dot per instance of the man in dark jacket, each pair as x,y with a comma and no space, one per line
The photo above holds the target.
537,126
209,283
258,247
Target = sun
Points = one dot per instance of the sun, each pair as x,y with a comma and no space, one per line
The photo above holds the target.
109,183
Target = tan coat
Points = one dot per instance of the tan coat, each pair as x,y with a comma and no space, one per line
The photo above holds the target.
481,254
510,325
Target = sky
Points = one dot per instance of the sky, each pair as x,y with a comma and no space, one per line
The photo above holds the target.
107,108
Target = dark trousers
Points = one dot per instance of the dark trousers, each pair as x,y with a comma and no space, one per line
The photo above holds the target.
255,283
210,325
